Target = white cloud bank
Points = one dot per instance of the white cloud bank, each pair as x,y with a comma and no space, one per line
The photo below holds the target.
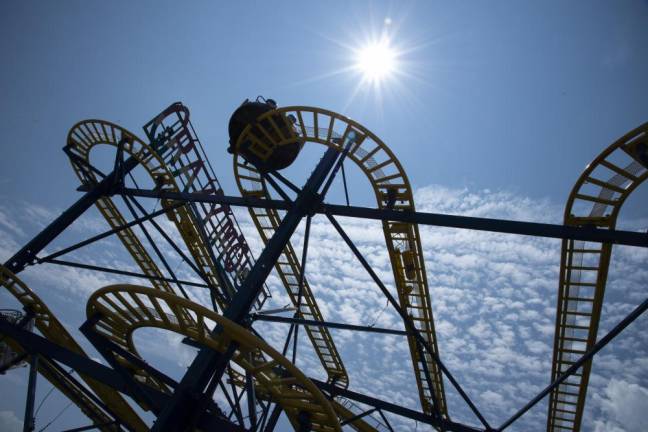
9,422
625,407
493,297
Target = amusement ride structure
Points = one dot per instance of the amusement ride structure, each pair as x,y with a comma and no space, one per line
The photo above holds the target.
253,382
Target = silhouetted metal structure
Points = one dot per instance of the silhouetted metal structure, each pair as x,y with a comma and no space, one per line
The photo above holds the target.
233,360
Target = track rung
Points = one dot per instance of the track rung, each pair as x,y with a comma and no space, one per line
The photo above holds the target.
605,185
618,170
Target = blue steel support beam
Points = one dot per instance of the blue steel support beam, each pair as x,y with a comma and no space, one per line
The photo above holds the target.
137,389
315,323
409,323
36,344
29,422
625,322
27,255
120,272
446,425
220,274
181,411
71,381
586,233
110,232
272,420
251,400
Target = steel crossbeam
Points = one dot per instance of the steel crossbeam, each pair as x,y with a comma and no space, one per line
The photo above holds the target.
27,255
586,233
446,425
342,326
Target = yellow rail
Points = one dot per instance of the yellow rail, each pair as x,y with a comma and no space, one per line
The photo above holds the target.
403,243
344,408
392,190
595,200
125,308
178,145
52,329
82,138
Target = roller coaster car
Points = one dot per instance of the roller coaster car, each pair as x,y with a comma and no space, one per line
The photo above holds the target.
271,143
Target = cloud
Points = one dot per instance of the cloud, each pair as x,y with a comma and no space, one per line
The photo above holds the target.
490,296
9,422
493,298
484,203
7,222
624,405
164,345
492,398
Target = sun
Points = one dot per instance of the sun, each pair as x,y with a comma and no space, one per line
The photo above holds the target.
376,61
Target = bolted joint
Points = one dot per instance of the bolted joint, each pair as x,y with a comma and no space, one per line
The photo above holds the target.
308,203
247,321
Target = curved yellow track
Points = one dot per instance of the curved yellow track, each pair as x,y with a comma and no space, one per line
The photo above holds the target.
125,308
595,200
87,134
392,190
52,329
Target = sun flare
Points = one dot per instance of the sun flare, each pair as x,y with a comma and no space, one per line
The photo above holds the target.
376,61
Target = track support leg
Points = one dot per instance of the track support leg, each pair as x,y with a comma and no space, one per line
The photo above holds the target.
29,423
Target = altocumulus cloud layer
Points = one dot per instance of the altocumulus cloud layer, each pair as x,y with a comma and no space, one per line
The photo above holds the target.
9,422
493,295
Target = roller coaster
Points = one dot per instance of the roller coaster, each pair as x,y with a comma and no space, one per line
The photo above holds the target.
238,381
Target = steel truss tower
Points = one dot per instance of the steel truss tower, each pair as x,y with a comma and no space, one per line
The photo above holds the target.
233,360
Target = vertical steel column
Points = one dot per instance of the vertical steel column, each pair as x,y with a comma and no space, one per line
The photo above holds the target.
181,411
251,398
272,420
29,423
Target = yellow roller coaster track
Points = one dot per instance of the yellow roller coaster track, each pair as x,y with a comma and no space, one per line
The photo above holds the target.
87,134
595,200
125,308
52,329
392,190
345,409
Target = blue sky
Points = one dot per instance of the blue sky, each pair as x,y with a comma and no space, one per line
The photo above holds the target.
496,111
